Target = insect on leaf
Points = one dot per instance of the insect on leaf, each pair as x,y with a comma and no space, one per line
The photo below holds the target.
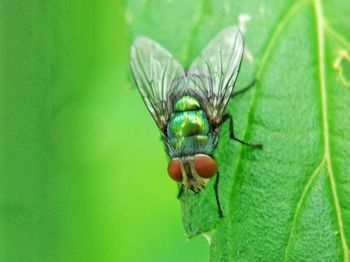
291,201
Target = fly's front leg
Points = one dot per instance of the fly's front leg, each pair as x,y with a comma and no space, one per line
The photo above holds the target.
232,134
244,89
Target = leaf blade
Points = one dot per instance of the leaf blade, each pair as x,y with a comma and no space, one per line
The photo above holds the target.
298,111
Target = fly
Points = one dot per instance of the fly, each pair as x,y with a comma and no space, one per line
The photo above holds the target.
189,106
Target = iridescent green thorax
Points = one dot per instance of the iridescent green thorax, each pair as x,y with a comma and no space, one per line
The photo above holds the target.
188,119
187,103
188,126
188,123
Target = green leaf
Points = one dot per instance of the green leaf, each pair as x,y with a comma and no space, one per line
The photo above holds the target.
290,201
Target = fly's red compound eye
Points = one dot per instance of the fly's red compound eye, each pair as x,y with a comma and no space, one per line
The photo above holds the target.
205,166
174,170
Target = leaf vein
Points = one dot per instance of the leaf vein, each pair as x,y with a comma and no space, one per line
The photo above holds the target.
290,11
337,36
299,205
195,25
322,78
266,54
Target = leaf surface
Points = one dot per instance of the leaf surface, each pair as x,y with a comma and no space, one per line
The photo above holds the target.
290,201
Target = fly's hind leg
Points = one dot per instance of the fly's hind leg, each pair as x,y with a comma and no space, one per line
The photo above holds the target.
232,134
216,189
244,89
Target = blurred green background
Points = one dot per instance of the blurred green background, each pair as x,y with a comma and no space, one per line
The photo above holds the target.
82,169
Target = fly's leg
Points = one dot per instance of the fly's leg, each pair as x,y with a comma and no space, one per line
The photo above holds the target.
216,189
244,89
232,134
181,191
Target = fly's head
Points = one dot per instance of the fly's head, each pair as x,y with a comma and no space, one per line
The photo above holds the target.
192,171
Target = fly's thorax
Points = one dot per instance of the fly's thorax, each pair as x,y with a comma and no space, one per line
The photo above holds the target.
188,131
187,103
188,123
187,119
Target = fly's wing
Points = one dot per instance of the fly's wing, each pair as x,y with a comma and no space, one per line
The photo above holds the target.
212,75
158,77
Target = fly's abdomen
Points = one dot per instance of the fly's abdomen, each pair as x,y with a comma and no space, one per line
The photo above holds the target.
188,123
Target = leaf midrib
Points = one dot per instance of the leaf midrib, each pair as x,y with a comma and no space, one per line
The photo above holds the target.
321,28
322,77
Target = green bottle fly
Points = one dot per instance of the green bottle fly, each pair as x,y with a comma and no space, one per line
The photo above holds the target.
189,105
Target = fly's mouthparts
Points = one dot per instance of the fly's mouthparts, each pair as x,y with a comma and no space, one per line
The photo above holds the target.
190,178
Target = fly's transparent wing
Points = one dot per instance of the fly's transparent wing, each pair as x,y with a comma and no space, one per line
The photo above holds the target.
158,77
212,75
